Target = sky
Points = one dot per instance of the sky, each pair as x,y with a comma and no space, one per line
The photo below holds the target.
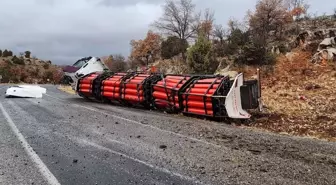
64,31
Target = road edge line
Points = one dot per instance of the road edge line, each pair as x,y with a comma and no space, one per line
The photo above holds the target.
51,179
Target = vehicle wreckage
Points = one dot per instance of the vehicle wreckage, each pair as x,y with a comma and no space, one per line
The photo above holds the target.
214,96
25,91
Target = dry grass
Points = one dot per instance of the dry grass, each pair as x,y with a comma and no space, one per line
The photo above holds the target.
300,98
67,89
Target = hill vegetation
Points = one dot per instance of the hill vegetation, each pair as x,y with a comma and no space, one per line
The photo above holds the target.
27,69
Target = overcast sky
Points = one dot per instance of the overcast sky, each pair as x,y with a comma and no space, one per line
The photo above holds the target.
66,30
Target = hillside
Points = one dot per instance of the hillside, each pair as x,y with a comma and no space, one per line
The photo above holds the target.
295,51
22,69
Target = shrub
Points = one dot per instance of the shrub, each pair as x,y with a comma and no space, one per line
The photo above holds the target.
173,46
5,73
10,53
0,53
254,54
46,66
17,60
201,57
27,54
48,75
5,53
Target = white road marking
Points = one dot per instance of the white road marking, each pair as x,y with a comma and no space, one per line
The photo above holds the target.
29,150
139,123
92,144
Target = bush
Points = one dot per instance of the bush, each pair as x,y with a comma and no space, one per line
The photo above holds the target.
254,54
48,75
46,66
0,53
173,46
17,60
201,57
5,53
27,54
5,73
10,53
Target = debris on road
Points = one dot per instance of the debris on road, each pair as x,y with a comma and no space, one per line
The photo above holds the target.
26,91
163,146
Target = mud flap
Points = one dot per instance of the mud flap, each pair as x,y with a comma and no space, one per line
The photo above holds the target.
233,100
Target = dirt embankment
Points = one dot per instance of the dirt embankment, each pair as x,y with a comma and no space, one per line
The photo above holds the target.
299,98
15,69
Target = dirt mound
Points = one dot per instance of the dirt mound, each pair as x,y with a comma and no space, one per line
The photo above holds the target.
300,98
28,70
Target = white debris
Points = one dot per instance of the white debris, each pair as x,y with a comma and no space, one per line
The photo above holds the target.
26,91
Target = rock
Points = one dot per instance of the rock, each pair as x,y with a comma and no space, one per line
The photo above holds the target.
163,146
231,74
75,161
312,87
327,43
144,122
116,122
324,55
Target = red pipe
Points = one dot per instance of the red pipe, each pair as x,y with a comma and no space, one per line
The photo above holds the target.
110,89
200,111
111,95
85,81
198,104
163,96
205,86
85,90
133,86
85,86
114,79
202,91
162,89
111,83
132,92
133,98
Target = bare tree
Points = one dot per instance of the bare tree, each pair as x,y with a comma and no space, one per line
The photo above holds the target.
179,18
292,4
219,33
206,25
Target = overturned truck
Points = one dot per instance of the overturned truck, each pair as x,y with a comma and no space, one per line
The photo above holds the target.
212,96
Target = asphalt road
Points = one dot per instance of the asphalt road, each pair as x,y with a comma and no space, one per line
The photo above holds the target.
64,139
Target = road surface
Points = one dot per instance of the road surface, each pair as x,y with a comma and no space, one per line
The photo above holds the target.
64,139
